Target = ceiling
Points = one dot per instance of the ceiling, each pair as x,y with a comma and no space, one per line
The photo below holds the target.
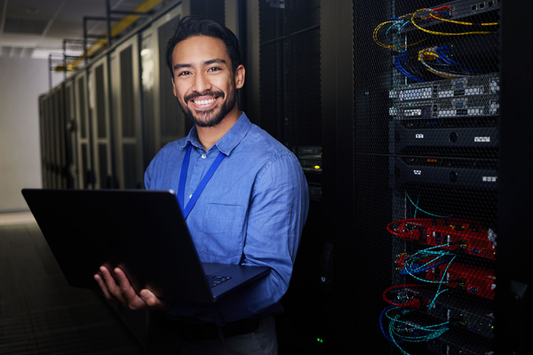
37,28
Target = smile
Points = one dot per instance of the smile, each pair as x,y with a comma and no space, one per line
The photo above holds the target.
204,102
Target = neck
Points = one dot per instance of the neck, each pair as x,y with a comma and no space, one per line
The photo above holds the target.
210,135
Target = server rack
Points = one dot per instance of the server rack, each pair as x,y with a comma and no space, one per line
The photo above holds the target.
83,132
163,120
283,96
126,98
100,119
71,153
389,149
54,139
420,265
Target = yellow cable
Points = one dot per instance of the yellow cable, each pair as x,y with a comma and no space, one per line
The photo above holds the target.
390,46
463,23
443,33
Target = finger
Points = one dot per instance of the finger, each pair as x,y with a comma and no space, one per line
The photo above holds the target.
128,293
111,285
152,301
104,288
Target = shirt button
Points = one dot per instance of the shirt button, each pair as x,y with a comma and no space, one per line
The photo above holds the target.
190,196
204,156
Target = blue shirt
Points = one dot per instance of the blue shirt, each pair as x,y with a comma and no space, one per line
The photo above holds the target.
251,212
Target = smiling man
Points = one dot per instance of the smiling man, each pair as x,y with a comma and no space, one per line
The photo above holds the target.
250,211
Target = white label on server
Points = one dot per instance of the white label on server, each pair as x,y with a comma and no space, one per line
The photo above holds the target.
489,178
419,136
417,172
482,139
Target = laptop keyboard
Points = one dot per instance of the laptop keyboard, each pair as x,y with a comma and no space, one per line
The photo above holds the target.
215,280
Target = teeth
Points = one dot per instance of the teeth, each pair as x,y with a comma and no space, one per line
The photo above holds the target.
204,102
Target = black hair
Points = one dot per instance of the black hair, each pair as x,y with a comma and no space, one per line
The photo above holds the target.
190,26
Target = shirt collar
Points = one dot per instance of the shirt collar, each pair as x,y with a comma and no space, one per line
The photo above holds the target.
229,141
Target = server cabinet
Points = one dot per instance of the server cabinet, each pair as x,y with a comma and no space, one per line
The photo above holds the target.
44,102
282,53
289,77
417,260
163,121
126,97
71,147
86,177
57,136
99,111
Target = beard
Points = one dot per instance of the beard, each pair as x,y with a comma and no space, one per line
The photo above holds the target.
210,118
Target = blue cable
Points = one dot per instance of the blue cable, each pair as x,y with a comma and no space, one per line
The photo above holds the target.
381,322
432,333
429,265
418,208
401,69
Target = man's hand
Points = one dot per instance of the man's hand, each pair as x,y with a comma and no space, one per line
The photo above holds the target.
122,292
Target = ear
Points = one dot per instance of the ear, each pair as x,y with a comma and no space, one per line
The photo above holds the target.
174,87
240,73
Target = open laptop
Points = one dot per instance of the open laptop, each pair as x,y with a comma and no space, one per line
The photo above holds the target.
142,232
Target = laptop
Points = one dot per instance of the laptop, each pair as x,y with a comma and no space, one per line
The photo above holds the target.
142,232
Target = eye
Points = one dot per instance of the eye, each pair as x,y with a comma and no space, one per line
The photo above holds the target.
214,69
184,73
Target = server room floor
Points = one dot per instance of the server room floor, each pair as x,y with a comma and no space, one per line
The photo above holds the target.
40,313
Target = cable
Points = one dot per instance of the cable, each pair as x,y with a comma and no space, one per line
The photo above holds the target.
381,323
412,303
445,54
431,54
397,328
397,48
463,23
442,53
421,210
398,64
422,268
427,253
452,21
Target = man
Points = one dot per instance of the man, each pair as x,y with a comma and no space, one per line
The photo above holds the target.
251,210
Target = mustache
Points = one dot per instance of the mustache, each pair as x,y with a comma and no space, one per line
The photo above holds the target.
205,93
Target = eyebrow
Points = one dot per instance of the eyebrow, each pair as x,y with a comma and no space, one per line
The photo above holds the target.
207,62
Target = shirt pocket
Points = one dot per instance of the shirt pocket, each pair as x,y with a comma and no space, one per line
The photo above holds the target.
224,231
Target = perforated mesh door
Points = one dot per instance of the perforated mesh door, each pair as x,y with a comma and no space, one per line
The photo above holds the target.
426,168
290,95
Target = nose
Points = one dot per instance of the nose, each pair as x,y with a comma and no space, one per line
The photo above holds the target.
201,82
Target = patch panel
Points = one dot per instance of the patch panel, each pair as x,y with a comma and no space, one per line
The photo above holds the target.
463,8
463,235
484,6
472,279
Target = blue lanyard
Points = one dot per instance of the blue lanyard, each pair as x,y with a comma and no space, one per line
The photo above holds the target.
201,186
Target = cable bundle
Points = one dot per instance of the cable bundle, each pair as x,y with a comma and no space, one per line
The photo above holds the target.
430,61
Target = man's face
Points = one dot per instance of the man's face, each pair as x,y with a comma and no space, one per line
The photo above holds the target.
204,82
